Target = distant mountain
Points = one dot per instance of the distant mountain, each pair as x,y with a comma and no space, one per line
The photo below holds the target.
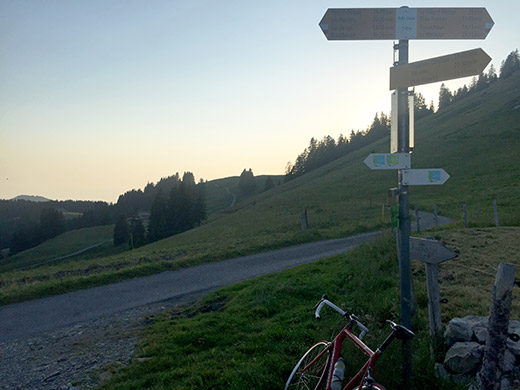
32,198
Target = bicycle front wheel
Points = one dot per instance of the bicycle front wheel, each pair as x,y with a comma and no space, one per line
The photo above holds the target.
310,372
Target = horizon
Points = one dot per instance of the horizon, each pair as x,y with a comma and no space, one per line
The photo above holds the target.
101,98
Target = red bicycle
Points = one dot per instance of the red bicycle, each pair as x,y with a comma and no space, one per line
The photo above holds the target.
318,367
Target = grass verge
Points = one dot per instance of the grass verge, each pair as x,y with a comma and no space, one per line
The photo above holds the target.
250,335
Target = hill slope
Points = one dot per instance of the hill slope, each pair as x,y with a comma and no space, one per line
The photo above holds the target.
475,140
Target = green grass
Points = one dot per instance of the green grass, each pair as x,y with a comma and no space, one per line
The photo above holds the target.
63,245
219,192
250,335
476,141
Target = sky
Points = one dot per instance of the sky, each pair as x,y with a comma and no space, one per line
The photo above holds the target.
99,97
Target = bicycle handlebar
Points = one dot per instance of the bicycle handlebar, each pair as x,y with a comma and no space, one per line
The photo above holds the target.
328,303
324,301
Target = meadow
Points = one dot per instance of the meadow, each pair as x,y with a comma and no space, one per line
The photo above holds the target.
476,140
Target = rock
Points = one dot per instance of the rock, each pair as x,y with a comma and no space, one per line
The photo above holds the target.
505,384
104,376
481,334
458,330
441,372
464,358
509,361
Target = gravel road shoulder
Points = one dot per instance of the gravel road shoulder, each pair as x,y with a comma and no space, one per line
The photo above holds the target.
80,356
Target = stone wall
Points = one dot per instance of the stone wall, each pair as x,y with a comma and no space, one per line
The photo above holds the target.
466,339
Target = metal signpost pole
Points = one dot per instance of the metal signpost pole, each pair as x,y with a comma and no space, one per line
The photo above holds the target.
404,217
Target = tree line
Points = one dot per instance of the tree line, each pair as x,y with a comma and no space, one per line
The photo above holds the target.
25,224
178,206
320,153
507,68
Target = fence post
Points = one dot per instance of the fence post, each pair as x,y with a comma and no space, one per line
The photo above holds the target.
304,221
498,328
496,212
435,217
465,210
417,218
434,310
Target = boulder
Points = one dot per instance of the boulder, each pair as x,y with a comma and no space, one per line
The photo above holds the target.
464,358
458,330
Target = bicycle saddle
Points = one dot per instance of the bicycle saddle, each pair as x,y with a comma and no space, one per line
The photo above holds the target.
401,332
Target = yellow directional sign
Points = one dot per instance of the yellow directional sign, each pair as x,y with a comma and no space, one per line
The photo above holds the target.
406,23
452,66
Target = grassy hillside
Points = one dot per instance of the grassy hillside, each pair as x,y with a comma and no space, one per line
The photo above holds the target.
475,140
221,193
53,251
250,335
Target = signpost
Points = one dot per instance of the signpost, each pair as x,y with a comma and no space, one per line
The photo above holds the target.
453,66
432,253
424,177
388,161
404,24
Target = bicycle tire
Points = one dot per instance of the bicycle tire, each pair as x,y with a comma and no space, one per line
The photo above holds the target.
374,386
315,376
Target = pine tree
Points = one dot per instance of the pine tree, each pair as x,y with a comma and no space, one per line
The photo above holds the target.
510,65
268,183
247,183
158,227
121,235
137,234
445,96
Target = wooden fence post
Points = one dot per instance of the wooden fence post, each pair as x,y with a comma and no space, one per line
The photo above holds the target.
434,310
498,328
435,217
496,212
303,220
417,218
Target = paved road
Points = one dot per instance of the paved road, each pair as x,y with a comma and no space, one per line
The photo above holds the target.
30,318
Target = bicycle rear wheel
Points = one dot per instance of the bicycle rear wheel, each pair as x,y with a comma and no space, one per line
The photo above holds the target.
315,376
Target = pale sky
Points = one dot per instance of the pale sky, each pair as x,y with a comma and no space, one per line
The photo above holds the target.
99,97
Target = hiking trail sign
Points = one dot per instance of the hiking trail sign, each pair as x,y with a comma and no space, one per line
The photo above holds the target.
430,251
452,66
423,177
405,23
388,161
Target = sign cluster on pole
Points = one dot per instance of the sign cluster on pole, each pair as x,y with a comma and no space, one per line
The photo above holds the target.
404,24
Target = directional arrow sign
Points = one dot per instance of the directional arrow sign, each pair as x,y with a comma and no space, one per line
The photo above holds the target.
422,177
388,161
453,66
406,23
430,251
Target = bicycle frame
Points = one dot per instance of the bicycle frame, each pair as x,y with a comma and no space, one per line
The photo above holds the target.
365,371
335,346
